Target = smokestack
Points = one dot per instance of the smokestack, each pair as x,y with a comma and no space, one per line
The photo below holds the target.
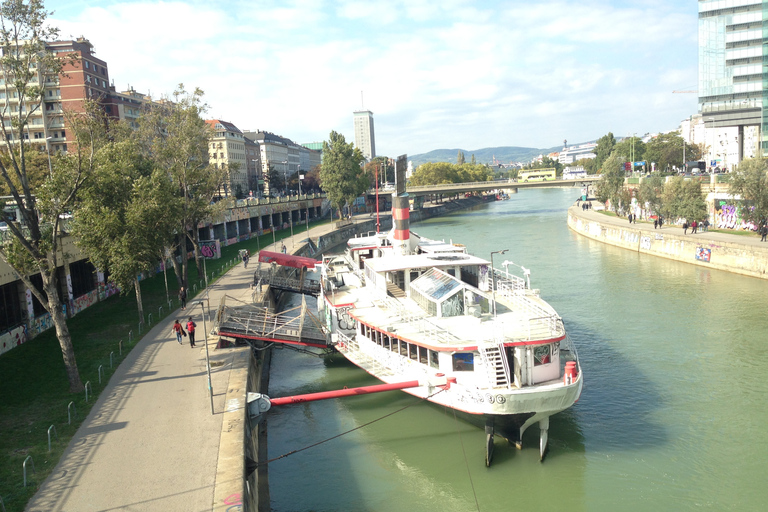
401,210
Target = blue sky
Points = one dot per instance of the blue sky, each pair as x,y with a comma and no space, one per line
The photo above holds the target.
435,73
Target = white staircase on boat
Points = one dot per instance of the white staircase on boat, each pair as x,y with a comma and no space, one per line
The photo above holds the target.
496,366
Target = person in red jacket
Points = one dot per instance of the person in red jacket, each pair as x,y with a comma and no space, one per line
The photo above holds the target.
191,330
178,329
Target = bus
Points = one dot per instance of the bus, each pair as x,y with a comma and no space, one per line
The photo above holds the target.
537,175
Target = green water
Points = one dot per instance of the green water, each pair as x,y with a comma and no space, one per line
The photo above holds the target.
672,417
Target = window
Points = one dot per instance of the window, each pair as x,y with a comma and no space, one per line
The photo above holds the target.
464,362
10,312
433,360
413,352
542,355
87,65
83,279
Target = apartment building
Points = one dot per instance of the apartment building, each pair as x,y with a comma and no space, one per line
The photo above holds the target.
284,156
227,151
364,135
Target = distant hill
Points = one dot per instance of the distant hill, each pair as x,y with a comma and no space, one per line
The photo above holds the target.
504,154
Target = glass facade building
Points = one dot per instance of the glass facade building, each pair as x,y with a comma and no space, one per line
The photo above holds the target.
732,71
364,137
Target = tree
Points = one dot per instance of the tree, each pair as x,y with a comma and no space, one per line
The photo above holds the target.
175,138
682,198
274,180
547,163
127,213
666,150
604,149
750,181
650,193
612,182
341,174
588,164
34,245
632,148
460,158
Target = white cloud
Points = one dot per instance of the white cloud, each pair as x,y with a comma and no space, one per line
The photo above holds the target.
435,73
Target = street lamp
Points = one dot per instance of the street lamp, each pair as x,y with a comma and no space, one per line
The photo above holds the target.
298,172
712,146
493,280
207,356
48,150
285,174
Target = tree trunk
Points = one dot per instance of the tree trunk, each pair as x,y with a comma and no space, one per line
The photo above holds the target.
176,267
137,287
62,334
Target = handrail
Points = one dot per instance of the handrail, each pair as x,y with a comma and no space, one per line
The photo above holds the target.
49,436
69,416
24,468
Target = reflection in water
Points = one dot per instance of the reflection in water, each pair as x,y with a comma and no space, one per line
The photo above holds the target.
672,415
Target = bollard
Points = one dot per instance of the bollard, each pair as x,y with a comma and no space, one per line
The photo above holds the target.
24,467
2,504
100,368
110,359
170,305
87,385
130,337
49,436
194,289
160,312
120,347
149,319
69,415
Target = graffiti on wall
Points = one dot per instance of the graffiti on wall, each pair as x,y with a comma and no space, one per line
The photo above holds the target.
13,338
645,243
41,323
728,216
84,301
107,290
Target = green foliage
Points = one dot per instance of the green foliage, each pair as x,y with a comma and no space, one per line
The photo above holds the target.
666,150
682,198
460,158
650,193
588,164
604,149
631,148
612,182
750,181
440,173
546,163
341,175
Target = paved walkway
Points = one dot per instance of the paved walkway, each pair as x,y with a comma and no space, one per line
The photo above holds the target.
745,239
150,443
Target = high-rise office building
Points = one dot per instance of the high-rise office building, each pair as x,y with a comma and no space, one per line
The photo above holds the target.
732,84
364,137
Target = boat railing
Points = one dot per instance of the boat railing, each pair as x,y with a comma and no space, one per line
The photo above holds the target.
415,319
509,284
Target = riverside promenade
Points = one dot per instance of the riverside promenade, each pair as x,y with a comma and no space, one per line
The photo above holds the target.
739,253
151,443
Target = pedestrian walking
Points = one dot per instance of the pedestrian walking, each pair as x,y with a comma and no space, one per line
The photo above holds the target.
183,297
630,218
685,227
191,330
655,223
705,224
283,249
694,225
661,221
763,232
179,330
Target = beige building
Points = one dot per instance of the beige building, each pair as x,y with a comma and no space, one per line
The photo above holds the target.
227,151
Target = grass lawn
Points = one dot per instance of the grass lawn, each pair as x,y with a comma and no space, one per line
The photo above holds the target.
33,381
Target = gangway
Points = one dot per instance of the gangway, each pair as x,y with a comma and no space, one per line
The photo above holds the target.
285,283
250,322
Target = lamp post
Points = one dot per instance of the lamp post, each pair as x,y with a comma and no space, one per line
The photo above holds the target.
712,146
285,175
298,173
493,280
207,356
48,150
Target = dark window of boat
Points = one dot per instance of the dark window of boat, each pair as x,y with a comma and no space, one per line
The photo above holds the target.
423,358
413,352
403,348
542,355
463,362
387,341
433,362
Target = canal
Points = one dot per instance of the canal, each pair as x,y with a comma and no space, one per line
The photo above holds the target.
673,414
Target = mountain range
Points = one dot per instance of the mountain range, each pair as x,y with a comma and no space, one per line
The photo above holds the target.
504,154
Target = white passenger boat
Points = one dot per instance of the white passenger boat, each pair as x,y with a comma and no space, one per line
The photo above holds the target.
403,307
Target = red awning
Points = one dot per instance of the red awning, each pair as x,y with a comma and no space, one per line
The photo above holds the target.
286,260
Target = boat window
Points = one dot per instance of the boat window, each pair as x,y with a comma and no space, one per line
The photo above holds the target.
463,362
453,306
403,348
433,361
413,352
423,358
542,355
387,341
394,346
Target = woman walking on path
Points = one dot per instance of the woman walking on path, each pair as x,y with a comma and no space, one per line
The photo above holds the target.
183,297
178,329
191,330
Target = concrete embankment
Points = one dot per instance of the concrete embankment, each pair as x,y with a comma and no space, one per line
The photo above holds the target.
742,254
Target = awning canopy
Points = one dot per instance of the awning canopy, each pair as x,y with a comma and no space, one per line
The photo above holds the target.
287,260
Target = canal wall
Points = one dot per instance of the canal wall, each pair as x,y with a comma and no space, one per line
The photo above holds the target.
671,243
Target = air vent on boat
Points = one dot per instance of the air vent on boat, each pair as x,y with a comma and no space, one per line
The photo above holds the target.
447,257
